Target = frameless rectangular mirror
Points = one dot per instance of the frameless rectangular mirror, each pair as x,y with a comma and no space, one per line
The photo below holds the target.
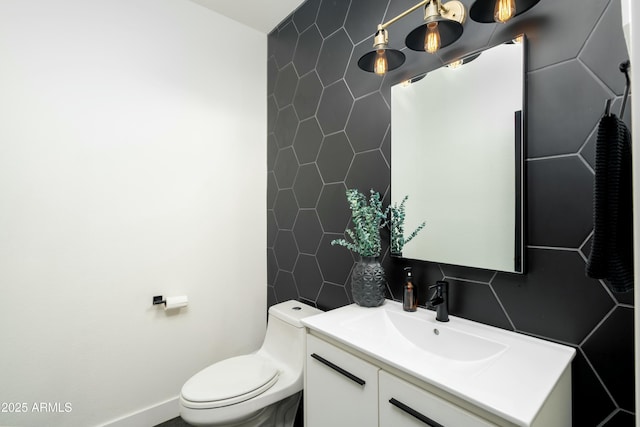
457,140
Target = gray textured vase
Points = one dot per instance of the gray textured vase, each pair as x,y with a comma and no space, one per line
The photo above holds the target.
368,283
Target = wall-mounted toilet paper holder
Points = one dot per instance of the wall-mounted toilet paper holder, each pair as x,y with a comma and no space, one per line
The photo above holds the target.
157,300
171,303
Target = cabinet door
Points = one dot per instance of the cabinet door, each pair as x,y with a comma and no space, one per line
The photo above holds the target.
341,389
405,405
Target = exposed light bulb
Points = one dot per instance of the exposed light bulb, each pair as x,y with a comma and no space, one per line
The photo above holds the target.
381,66
505,9
432,39
455,64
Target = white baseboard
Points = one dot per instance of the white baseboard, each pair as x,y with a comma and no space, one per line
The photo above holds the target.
148,417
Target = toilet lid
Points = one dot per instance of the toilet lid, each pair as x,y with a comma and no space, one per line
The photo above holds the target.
230,381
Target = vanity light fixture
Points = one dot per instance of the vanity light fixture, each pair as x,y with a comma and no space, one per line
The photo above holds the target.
460,62
442,26
489,11
382,59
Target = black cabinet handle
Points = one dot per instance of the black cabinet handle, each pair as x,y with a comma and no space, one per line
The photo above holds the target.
409,410
338,369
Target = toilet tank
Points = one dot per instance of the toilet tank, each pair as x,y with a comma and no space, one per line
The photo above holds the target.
284,341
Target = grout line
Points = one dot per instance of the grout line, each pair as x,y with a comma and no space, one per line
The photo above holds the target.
461,279
590,334
593,369
553,157
513,326
553,248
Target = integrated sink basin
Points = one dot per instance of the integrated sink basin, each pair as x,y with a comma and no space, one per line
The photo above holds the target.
434,339
504,372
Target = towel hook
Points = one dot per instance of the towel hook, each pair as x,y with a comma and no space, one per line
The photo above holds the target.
607,107
624,68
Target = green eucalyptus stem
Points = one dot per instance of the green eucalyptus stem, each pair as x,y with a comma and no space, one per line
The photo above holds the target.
367,217
396,226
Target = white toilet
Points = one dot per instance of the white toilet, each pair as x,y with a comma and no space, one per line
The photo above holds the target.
261,389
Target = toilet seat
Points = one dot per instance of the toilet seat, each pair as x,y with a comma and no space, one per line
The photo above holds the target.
229,381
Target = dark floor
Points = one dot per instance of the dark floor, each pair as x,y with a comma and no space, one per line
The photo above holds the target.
176,422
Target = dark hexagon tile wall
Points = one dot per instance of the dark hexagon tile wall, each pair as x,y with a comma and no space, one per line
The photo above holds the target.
307,95
305,15
308,277
610,350
285,286
286,85
286,250
307,231
307,140
286,168
331,16
335,104
286,126
559,185
562,131
478,303
591,402
307,186
603,49
334,55
554,298
306,55
286,209
329,130
335,157
332,209
284,44
368,137
369,170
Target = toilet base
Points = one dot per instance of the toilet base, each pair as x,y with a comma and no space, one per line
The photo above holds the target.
279,414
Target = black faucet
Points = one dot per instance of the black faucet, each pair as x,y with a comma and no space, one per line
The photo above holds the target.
440,300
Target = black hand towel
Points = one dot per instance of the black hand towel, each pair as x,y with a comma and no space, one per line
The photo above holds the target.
611,255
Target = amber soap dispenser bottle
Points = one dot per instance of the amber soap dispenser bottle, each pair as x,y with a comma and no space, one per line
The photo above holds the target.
410,293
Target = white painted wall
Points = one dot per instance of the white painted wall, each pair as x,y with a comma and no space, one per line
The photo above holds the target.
630,20
132,163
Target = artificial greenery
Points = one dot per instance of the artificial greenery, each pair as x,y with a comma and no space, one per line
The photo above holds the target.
396,225
368,218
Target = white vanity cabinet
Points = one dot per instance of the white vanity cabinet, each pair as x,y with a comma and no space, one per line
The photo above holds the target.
340,389
343,390
383,367
402,404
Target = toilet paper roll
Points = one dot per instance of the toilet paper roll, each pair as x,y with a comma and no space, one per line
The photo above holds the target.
176,302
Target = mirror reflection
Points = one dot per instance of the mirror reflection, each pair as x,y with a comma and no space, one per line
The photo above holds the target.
456,150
